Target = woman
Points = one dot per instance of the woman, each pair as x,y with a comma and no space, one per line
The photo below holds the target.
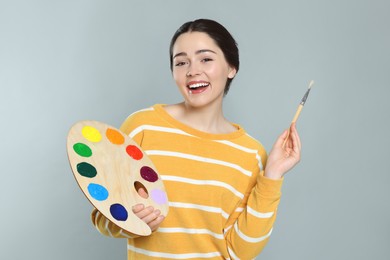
223,191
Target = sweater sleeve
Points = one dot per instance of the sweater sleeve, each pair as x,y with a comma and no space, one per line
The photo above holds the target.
107,228
252,225
103,224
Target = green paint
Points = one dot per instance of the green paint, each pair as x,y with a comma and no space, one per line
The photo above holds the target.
86,170
82,149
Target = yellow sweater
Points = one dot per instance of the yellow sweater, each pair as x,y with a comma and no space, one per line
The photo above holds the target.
221,205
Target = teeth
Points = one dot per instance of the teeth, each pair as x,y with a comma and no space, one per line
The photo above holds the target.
197,85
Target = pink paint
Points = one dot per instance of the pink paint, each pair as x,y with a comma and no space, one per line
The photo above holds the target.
159,196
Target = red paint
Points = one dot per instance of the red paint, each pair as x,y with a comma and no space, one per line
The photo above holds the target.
134,152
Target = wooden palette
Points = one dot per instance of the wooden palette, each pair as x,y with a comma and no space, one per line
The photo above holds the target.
110,168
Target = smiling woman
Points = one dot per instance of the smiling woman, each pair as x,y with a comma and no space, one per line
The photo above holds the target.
223,191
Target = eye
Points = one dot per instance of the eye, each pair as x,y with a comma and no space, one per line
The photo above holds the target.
180,63
206,59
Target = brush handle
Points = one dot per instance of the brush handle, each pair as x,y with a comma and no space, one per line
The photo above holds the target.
297,113
299,109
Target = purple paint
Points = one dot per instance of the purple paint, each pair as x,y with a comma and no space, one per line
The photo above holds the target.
159,196
148,174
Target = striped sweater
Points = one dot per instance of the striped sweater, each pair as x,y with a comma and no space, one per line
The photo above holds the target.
221,205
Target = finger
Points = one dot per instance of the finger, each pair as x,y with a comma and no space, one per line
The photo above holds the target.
145,212
296,145
137,208
282,139
152,216
296,136
143,193
156,223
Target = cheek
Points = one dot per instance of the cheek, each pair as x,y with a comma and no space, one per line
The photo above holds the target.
178,78
218,71
176,74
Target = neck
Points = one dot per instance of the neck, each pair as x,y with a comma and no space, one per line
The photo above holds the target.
206,119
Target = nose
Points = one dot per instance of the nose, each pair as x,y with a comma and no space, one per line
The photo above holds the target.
193,70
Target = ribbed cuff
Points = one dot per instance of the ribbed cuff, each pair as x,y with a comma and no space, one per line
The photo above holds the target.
267,187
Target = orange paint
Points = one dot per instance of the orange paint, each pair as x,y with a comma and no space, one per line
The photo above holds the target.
114,136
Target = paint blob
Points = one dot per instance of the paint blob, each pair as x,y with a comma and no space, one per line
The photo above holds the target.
91,134
134,152
148,174
87,170
159,196
82,149
98,192
114,136
118,212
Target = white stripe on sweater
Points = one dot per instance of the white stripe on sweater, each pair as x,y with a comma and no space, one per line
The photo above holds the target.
200,231
173,256
199,207
259,214
122,233
232,254
157,128
255,213
199,158
203,182
107,228
244,149
251,239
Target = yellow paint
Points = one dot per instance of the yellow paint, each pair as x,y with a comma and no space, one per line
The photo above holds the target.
91,134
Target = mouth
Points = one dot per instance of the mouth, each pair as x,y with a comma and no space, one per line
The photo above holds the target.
197,87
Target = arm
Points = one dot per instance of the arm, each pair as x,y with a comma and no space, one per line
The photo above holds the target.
251,230
106,227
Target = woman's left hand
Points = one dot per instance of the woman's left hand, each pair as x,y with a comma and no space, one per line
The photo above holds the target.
285,154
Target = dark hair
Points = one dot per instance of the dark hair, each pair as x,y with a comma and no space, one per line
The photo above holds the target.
221,37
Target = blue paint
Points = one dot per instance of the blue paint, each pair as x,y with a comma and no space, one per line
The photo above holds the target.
98,192
118,212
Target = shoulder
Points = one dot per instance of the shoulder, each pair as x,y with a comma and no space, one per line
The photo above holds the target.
254,145
138,118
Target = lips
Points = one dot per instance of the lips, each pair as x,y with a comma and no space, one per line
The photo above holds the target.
196,87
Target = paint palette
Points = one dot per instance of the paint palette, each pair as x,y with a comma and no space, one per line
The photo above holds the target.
111,169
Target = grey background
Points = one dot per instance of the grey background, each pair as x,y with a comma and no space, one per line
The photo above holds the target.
65,61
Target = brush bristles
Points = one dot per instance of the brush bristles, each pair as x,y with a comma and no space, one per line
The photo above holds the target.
311,83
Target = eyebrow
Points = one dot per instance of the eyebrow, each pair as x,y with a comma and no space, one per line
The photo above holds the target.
197,52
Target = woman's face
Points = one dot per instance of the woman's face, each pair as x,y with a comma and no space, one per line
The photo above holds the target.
200,69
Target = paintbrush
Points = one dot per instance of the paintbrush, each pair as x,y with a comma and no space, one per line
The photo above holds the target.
299,109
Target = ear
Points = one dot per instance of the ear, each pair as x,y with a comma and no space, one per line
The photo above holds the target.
232,72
